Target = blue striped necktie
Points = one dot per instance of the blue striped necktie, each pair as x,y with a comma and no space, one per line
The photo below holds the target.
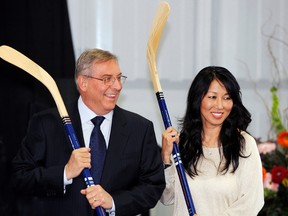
98,149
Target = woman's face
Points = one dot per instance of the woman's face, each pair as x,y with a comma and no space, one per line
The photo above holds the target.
216,105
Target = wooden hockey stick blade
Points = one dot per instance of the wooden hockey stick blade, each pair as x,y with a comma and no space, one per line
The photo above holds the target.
18,59
158,24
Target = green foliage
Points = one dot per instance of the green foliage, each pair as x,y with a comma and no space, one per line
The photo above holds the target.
275,114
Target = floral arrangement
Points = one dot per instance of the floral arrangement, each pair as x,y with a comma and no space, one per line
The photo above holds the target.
274,156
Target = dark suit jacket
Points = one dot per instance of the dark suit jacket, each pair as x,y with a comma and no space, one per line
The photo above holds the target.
133,172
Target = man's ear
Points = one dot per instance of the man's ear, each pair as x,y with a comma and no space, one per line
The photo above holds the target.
82,82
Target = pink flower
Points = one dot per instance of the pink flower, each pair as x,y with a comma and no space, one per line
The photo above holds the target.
266,147
269,184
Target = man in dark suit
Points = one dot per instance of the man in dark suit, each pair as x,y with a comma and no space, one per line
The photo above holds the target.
47,171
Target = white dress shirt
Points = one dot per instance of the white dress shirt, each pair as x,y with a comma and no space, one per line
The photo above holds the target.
87,126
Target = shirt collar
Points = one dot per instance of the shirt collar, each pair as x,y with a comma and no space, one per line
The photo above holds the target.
87,114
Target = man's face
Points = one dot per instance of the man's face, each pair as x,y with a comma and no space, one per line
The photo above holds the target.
96,95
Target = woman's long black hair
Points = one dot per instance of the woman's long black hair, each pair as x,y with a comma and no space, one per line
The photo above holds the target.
230,137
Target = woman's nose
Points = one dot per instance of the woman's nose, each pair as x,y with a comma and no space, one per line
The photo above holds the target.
219,104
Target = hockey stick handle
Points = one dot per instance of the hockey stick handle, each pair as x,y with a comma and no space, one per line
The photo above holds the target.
75,144
176,156
85,172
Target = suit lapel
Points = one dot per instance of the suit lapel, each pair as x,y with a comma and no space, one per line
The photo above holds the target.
117,142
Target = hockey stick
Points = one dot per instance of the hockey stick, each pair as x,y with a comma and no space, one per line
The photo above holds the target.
152,46
18,59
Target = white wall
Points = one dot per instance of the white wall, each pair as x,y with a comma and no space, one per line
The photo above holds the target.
237,34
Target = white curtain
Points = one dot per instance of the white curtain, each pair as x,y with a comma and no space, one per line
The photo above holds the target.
250,38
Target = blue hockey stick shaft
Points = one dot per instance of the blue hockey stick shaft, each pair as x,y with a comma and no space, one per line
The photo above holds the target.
176,156
75,144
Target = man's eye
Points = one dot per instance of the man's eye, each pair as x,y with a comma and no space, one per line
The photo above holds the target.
106,79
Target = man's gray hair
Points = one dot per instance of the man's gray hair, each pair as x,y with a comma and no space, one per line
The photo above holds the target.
90,56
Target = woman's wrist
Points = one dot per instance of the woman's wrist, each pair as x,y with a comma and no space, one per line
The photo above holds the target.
166,160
